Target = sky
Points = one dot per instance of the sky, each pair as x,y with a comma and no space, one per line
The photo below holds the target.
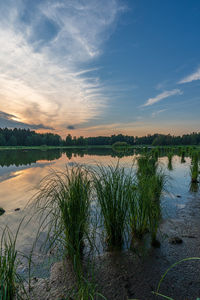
100,67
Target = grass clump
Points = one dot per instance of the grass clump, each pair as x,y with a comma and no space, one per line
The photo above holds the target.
65,198
194,169
145,209
113,186
182,156
10,280
170,156
155,153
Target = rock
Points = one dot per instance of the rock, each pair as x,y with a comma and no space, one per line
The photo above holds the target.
175,240
155,243
2,211
17,209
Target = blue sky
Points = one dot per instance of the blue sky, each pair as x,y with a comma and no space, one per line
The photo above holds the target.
91,67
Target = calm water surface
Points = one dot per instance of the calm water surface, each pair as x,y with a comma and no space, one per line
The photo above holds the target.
21,172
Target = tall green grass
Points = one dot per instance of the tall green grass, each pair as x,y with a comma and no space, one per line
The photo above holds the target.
65,198
194,169
10,281
157,186
155,153
127,203
145,209
170,156
139,210
183,156
147,166
113,186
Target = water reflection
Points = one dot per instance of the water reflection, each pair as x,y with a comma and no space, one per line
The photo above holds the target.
194,187
21,172
26,157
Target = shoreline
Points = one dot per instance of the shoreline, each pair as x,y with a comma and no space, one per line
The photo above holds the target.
123,275
92,147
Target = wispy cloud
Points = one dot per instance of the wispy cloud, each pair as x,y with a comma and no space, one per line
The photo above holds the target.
47,47
162,96
192,77
155,113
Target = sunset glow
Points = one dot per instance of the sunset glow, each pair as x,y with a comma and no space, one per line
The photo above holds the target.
100,67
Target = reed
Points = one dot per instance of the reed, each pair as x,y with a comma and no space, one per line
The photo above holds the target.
145,209
10,281
183,156
194,169
155,153
113,185
147,166
65,198
170,156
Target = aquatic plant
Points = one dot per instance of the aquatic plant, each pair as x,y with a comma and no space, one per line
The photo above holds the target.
182,156
170,156
194,169
10,280
145,211
194,187
139,210
65,198
157,186
147,166
113,186
155,153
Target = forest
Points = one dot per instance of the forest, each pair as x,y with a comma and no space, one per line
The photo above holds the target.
26,137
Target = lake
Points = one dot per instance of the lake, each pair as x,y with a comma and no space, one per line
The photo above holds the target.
22,170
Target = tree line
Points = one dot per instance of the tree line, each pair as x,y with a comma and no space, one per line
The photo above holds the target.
26,137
